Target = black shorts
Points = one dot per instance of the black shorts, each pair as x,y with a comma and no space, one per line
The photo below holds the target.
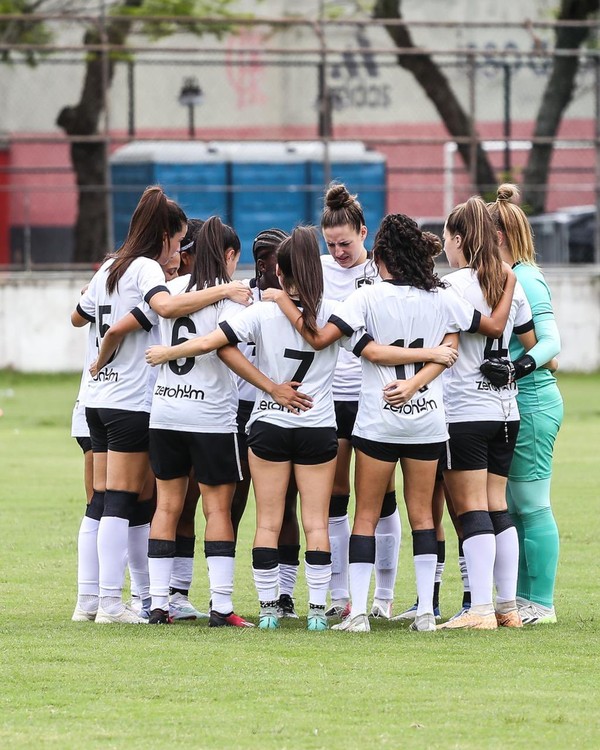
391,452
214,456
345,416
481,445
300,445
243,415
118,430
85,443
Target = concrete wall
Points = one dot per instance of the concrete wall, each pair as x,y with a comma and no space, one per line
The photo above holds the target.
36,334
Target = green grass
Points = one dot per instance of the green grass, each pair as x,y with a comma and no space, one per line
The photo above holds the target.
67,685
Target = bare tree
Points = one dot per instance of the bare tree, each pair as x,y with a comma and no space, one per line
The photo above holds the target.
557,95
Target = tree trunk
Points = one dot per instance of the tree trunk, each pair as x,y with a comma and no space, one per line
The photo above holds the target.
557,95
436,86
88,159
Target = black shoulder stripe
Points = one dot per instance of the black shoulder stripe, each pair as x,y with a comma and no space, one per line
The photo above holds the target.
148,296
342,325
85,315
360,345
141,319
524,328
475,323
228,331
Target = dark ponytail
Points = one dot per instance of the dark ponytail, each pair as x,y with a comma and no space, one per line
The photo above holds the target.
212,241
341,208
299,261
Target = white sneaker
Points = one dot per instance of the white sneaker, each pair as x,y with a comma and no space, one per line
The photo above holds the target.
423,623
180,608
357,624
382,608
536,614
83,615
126,616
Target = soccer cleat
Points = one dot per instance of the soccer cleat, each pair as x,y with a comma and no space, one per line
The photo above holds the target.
460,612
408,614
471,621
423,623
285,607
316,618
357,624
126,616
537,614
83,615
269,616
509,619
219,620
180,608
382,608
339,608
159,617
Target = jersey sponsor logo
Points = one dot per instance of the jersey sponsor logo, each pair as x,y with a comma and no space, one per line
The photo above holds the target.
106,376
185,391
485,385
413,407
273,406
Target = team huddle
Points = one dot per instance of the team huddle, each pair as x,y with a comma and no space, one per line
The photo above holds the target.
196,386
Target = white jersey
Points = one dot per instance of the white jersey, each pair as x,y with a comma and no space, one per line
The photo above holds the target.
339,283
79,425
246,391
197,394
122,383
282,355
398,314
469,395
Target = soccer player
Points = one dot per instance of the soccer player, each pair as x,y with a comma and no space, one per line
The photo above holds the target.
483,423
116,404
346,268
541,410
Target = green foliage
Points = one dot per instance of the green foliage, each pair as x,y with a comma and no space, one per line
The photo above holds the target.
183,8
22,32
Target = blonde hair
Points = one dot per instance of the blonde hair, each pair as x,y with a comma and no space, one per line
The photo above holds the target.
510,219
474,224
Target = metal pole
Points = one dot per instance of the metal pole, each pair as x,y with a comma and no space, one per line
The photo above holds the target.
325,129
131,98
191,123
473,143
507,119
597,149
110,240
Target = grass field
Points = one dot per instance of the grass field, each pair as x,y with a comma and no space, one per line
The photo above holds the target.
67,685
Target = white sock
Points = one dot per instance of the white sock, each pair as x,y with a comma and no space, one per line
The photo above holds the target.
339,539
506,566
287,578
87,562
480,553
388,533
425,566
220,581
317,580
112,555
137,547
360,580
267,583
160,575
183,570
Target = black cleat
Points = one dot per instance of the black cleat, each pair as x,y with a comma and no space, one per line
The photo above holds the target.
218,620
285,605
159,617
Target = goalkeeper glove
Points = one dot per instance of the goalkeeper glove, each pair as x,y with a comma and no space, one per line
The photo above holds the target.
501,371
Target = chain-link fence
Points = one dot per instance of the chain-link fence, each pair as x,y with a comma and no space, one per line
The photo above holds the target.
254,122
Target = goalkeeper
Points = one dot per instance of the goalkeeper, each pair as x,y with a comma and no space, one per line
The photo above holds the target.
541,409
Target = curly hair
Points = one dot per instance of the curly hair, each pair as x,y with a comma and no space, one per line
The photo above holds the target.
407,252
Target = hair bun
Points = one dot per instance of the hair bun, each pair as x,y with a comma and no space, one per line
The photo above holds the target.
507,192
337,197
433,243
